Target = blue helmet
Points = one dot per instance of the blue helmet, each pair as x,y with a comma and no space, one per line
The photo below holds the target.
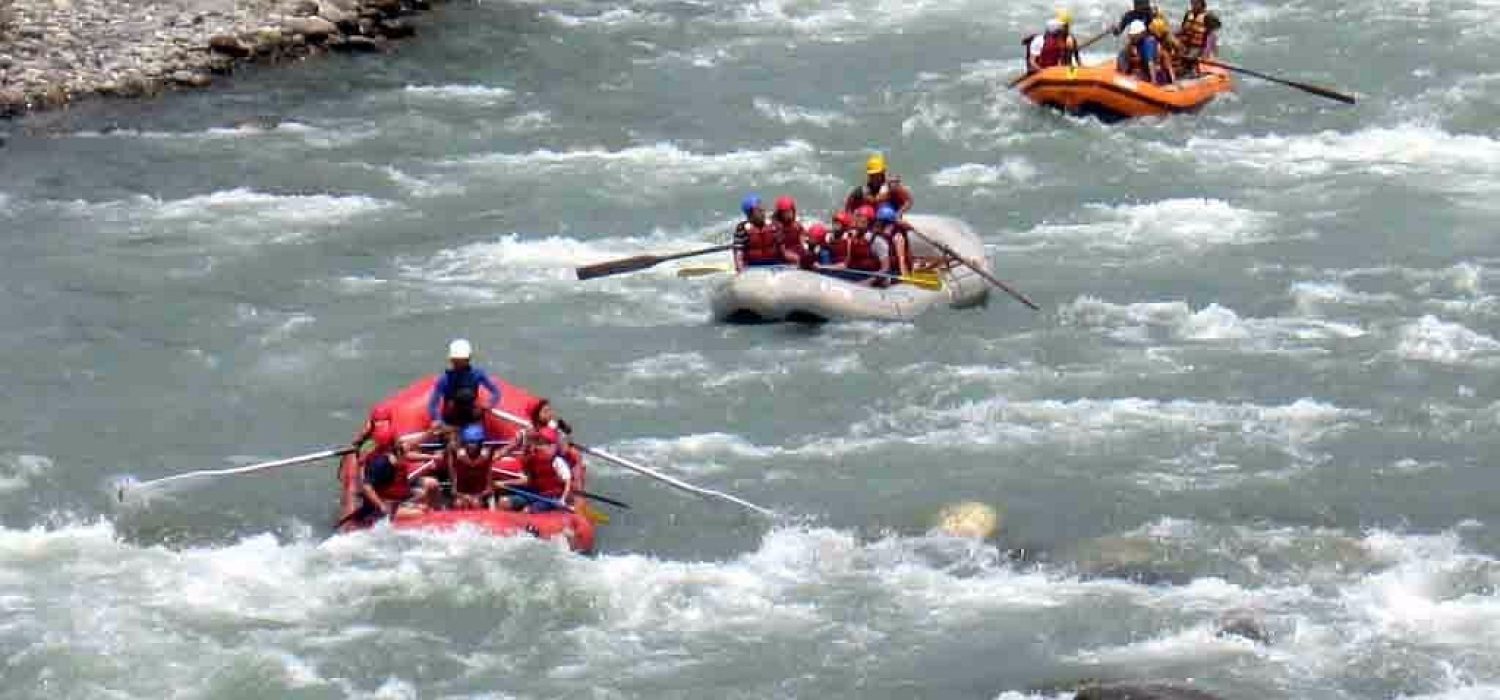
886,213
750,203
473,434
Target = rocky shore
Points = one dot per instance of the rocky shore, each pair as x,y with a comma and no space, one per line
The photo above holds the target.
55,52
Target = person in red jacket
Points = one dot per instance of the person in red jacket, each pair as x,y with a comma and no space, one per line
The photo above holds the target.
879,188
789,233
386,478
469,469
545,472
755,240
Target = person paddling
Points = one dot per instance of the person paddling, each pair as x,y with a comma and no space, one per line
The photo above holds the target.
545,472
379,416
469,469
1054,47
896,235
755,242
880,188
385,477
1199,36
454,402
789,233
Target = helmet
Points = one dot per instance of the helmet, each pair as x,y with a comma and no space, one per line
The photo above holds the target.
886,214
473,434
875,165
818,233
786,204
1135,28
1065,15
460,350
381,412
1159,26
865,212
548,435
384,435
843,218
750,203
1054,26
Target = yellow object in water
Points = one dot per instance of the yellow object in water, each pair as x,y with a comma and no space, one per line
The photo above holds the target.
968,519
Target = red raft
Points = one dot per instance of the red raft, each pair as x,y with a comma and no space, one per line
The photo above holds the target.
409,414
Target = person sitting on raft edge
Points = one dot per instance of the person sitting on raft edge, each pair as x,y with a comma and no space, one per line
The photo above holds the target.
755,241
454,402
880,188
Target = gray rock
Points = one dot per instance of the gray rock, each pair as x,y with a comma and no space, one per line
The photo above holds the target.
187,78
316,29
304,8
1246,626
358,44
12,102
397,29
228,46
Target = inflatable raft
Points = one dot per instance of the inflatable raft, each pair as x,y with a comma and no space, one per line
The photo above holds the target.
769,294
1099,91
409,414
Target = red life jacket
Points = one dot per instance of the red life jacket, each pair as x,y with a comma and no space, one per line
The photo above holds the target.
859,255
887,193
472,476
837,248
761,245
792,238
1055,51
399,488
541,476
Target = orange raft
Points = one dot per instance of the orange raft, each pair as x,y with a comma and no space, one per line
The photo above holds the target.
1100,91
409,414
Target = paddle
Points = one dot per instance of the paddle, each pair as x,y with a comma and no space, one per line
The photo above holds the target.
602,499
1080,49
247,469
978,269
928,283
701,270
1314,89
670,481
640,262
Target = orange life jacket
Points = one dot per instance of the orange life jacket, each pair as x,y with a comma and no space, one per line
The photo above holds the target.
1194,30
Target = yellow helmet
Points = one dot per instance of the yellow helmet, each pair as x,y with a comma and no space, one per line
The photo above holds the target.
1159,26
1065,15
876,164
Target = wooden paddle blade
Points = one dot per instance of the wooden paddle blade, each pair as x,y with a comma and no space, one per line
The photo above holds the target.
1325,92
615,267
594,516
702,270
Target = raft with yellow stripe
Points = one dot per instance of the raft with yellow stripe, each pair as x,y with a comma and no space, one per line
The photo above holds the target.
1102,92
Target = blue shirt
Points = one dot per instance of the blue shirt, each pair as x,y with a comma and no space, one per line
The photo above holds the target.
440,388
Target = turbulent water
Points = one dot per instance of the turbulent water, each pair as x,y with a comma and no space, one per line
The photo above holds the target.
1261,386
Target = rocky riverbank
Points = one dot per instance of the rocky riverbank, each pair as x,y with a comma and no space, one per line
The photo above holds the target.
55,52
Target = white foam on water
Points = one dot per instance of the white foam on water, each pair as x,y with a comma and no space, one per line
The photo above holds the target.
1150,323
480,94
1171,226
791,115
1011,170
18,470
1431,339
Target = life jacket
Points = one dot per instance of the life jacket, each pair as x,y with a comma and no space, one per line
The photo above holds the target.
791,237
542,478
388,475
838,250
461,390
885,194
859,255
1193,33
472,476
1055,50
761,245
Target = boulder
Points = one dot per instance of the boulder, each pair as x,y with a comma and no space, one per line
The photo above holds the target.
396,29
316,29
229,46
388,8
303,8
192,79
1141,691
1246,626
12,102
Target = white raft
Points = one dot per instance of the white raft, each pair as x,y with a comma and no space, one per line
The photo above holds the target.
767,294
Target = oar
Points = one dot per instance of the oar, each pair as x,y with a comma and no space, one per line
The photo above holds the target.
670,481
1314,89
539,497
1017,80
978,269
640,262
929,283
602,499
701,270
249,468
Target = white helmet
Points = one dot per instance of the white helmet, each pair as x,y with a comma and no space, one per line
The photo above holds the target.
460,350
1135,27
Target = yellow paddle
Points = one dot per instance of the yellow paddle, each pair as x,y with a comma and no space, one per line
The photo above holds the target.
702,270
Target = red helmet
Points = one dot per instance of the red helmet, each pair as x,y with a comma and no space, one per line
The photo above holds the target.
843,218
818,233
381,412
866,212
786,204
384,435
